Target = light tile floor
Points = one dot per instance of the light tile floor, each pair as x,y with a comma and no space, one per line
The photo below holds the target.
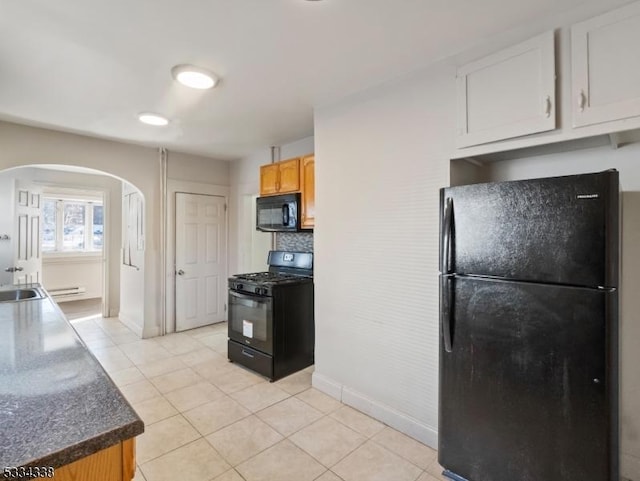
207,419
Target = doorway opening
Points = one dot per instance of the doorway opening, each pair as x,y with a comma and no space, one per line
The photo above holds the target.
69,223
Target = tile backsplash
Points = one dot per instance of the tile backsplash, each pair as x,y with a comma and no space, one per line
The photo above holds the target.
294,241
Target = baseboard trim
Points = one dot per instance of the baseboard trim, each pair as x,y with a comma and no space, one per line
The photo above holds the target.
130,322
388,415
327,385
149,332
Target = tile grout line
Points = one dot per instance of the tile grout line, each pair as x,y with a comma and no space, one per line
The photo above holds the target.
162,395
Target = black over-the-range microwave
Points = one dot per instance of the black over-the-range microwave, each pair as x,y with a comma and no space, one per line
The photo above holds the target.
278,213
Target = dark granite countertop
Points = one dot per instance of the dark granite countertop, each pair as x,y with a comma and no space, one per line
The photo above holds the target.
57,404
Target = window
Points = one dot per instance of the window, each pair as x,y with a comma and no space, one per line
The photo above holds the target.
72,226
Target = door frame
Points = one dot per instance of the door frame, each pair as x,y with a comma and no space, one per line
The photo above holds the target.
185,187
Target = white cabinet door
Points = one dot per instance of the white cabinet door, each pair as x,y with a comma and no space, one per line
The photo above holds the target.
508,94
606,67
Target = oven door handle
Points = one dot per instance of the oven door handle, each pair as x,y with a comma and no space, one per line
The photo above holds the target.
247,296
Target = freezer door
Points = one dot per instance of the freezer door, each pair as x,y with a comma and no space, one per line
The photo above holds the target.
558,230
528,391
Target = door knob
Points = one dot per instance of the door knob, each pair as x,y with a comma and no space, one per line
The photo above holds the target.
181,272
14,269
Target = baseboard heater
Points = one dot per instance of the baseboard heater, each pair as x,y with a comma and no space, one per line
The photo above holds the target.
67,291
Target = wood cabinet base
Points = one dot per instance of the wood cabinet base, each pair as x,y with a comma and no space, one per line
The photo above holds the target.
116,463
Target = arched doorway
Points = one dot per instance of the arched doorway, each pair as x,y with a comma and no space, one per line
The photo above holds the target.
92,224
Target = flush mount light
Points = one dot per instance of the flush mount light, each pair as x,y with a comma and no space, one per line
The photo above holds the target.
152,119
194,77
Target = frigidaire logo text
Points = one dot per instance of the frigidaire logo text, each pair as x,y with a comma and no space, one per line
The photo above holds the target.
588,196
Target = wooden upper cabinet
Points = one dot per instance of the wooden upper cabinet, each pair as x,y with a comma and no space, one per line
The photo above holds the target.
289,176
293,175
508,94
605,68
308,191
280,177
269,179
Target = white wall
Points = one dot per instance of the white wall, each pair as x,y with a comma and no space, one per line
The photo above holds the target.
245,182
23,146
77,271
381,156
7,194
140,166
197,169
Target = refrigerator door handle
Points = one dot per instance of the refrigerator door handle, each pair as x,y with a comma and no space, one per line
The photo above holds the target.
445,311
446,235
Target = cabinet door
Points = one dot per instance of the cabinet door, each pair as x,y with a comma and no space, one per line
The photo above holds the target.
269,179
289,176
116,463
128,459
308,189
605,66
508,94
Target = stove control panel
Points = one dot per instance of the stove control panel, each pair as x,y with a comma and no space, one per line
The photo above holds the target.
250,288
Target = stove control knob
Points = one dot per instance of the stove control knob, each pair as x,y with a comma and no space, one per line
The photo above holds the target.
257,290
239,286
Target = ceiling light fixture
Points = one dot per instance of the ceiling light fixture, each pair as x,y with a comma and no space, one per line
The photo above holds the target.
194,77
152,119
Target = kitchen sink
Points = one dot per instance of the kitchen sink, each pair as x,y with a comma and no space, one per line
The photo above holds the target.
14,295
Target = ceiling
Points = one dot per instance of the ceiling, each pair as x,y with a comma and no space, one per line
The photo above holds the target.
91,66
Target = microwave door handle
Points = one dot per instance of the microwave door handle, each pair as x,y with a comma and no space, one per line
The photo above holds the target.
285,214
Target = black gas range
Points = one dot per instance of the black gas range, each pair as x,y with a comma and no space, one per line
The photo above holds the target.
271,326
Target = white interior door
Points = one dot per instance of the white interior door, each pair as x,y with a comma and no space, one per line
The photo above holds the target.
201,260
27,267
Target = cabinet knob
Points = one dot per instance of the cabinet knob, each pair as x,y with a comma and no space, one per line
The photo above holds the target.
582,100
547,106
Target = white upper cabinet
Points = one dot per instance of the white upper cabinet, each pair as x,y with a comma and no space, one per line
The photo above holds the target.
606,67
508,94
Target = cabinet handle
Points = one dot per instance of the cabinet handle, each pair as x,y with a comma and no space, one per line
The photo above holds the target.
547,106
582,100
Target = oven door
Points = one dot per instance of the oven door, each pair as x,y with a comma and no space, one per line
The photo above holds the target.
251,320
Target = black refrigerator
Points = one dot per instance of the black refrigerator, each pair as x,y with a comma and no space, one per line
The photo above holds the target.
529,330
